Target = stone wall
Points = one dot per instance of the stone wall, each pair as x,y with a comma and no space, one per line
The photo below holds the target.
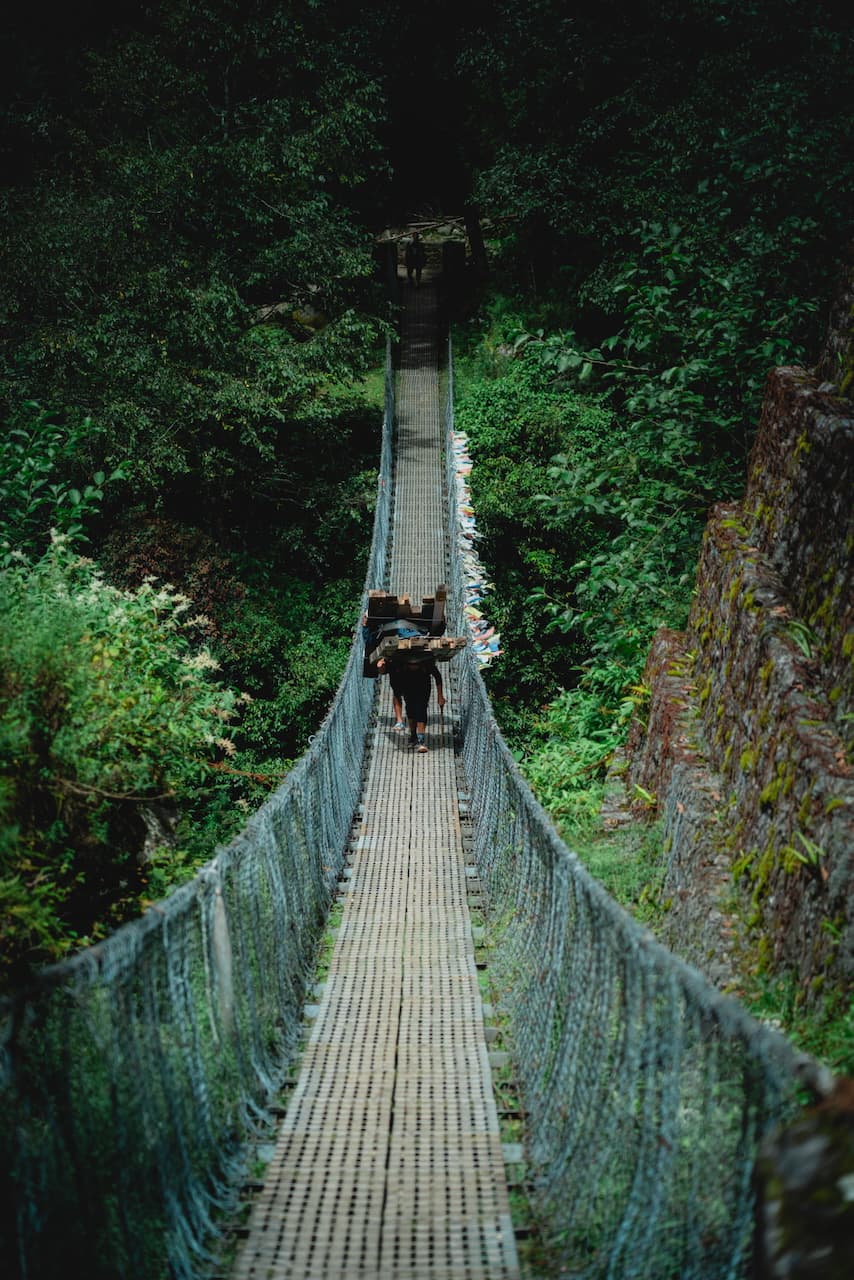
748,742
799,513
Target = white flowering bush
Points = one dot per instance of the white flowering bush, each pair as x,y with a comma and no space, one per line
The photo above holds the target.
108,714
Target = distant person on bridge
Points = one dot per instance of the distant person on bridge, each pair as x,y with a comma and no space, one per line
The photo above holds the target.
412,677
415,257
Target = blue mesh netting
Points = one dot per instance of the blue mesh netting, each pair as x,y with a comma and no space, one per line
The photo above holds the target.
645,1090
131,1076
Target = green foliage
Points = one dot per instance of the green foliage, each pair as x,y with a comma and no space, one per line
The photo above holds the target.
566,764
733,121
571,745
801,635
186,268
647,489
824,1027
628,862
38,461
196,274
578,733
685,205
185,282
516,418
107,712
289,646
810,855
668,239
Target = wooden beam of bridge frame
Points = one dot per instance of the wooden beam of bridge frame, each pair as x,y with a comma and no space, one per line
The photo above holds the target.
442,649
436,612
383,606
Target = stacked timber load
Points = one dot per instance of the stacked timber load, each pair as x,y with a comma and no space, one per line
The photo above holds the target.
393,627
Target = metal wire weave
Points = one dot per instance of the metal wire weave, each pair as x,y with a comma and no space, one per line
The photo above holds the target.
131,1076
646,1091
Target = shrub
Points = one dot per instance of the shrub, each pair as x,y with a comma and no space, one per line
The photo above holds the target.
108,714
517,418
41,484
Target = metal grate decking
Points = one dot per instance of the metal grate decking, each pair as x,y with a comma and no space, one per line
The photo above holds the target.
389,1163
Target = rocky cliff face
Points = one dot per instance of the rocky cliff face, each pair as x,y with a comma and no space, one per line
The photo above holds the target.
749,739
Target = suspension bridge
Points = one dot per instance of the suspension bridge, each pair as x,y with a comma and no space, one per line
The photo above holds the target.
134,1076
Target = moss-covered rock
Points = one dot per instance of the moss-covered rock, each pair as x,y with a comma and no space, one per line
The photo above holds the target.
748,739
805,1191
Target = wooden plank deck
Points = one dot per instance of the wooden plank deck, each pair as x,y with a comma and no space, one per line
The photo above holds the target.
389,1163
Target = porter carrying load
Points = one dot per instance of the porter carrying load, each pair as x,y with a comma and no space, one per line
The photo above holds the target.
393,628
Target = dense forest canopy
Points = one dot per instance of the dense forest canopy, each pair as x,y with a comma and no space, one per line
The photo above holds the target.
192,337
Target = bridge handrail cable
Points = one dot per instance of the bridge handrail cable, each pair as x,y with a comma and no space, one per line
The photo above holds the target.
132,1074
645,1090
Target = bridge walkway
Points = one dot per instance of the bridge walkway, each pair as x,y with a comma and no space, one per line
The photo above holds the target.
388,1163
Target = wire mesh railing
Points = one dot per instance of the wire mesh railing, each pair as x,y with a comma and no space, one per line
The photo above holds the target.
646,1091
133,1075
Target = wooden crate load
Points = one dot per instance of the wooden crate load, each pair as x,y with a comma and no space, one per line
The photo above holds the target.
394,627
